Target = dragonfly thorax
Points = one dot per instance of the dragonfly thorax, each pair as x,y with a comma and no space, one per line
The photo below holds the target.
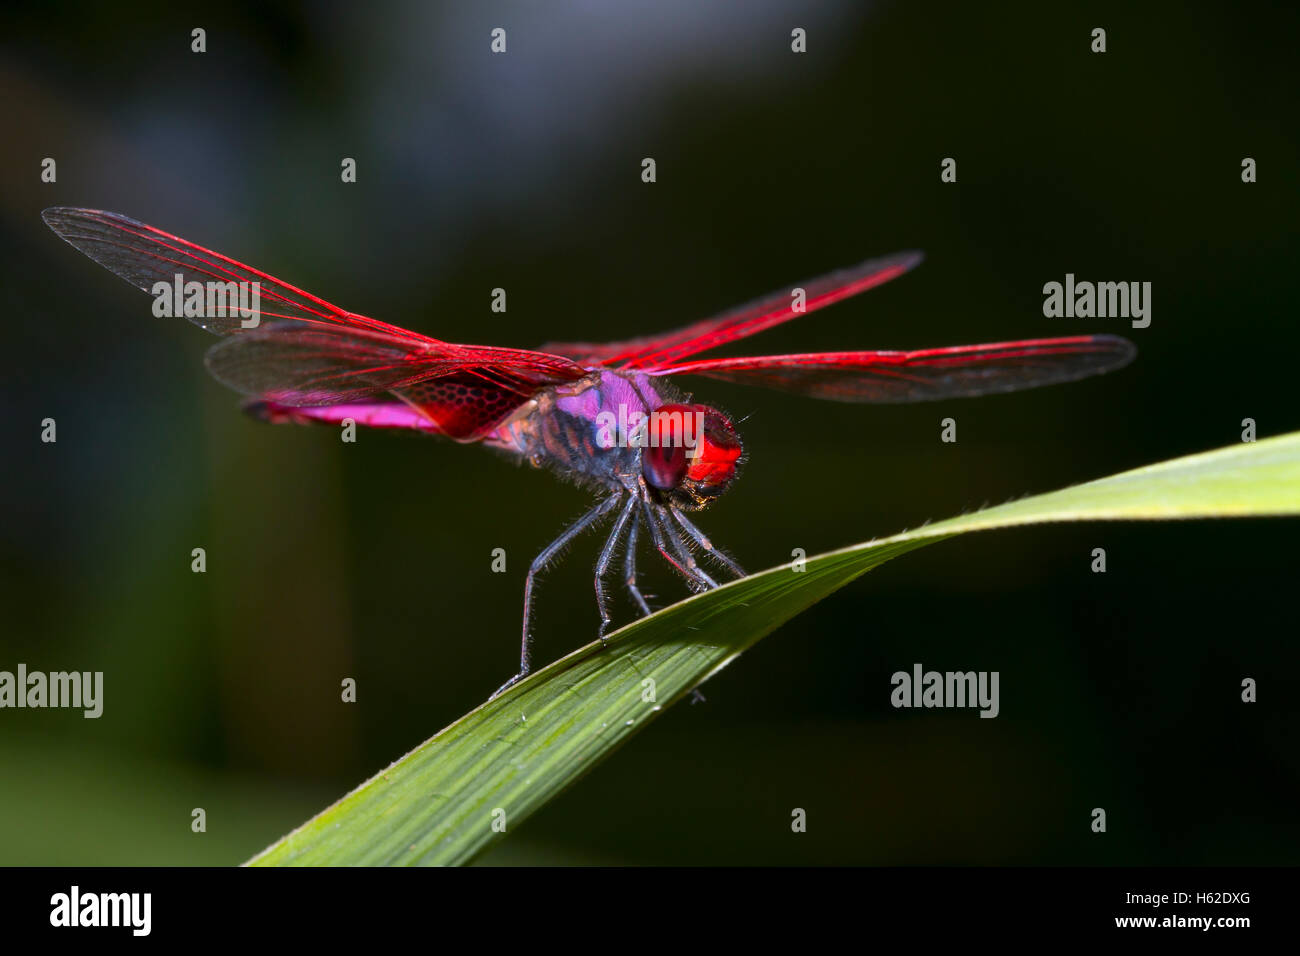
621,431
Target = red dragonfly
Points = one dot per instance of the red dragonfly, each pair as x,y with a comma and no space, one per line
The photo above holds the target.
301,360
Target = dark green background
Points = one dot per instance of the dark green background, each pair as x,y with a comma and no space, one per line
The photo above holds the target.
372,560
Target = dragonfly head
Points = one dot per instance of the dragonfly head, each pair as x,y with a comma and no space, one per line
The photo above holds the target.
692,454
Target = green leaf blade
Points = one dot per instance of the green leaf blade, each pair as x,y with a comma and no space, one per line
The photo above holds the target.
502,761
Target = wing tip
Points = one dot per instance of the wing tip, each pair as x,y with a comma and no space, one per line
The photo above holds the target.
63,219
57,216
1121,349
65,212
903,261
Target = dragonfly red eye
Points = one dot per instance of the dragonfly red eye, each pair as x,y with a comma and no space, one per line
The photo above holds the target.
690,446
714,464
671,427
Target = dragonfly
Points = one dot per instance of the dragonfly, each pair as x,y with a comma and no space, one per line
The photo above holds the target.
608,416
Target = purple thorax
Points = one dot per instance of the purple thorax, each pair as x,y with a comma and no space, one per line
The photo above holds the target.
636,394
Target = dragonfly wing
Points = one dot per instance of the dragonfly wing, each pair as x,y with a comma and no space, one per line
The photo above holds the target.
144,256
306,352
462,391
657,351
924,375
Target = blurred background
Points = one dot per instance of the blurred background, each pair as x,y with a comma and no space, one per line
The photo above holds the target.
522,171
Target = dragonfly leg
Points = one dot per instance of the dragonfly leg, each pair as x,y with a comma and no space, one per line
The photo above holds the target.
629,566
657,535
703,541
549,553
683,551
602,563
683,563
